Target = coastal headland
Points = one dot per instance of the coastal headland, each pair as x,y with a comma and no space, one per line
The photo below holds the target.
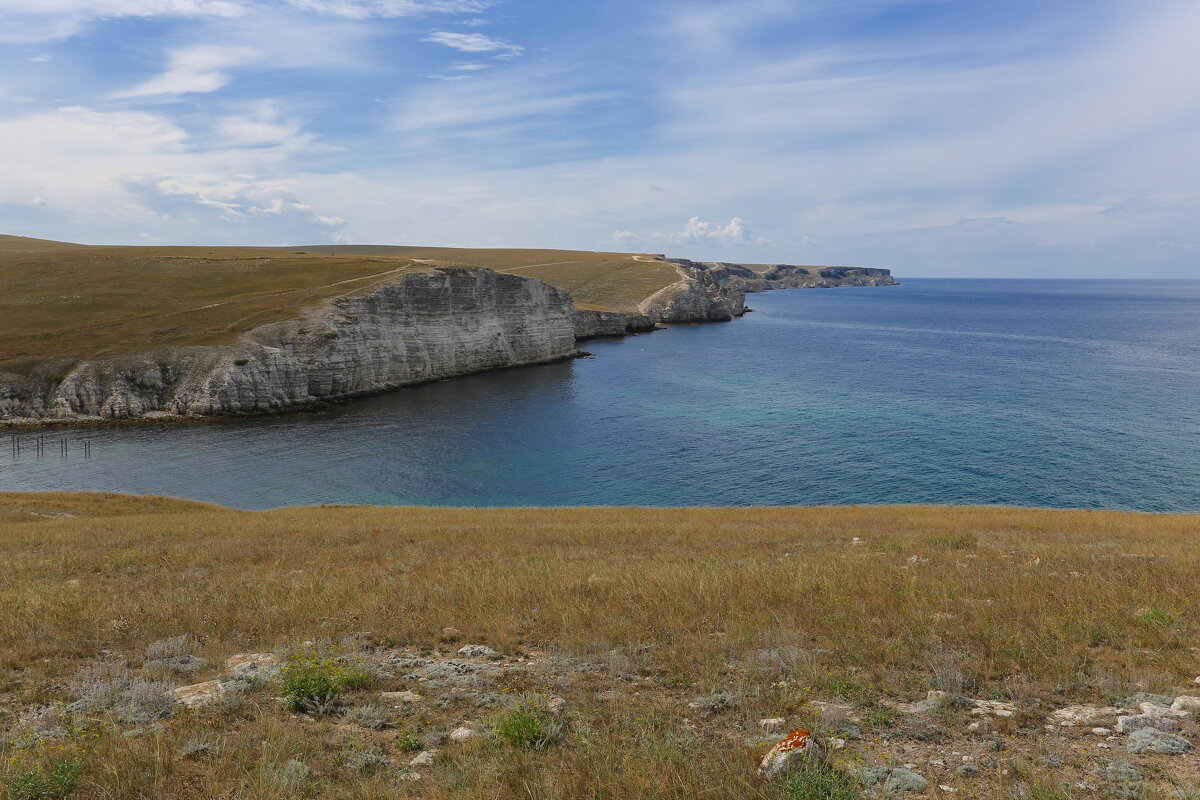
124,333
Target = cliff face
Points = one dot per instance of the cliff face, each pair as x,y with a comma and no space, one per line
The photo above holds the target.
788,276
425,326
697,297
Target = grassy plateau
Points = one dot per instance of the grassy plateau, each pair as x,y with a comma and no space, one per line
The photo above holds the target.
625,653
65,302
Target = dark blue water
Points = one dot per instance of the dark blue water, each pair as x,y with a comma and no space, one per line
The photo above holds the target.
1046,393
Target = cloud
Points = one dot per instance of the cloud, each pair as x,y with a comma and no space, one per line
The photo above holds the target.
475,43
695,231
367,9
197,69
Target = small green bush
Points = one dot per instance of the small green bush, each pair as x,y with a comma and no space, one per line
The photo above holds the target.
313,679
819,783
881,716
38,784
1155,617
408,743
528,725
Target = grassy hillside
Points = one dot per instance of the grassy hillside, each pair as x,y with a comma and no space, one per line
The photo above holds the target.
667,633
68,302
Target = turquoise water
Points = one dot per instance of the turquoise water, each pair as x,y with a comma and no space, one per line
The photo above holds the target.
1047,393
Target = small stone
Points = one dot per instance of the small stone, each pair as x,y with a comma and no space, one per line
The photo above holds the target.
451,634
397,699
1102,731
423,759
772,724
1157,710
199,694
478,651
462,734
245,663
947,789
556,706
409,776
1137,722
799,748
1152,740
837,744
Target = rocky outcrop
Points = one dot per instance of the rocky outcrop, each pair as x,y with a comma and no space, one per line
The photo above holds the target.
789,276
697,297
426,326
590,323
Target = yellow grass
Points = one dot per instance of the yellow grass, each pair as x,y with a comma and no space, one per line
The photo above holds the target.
1061,606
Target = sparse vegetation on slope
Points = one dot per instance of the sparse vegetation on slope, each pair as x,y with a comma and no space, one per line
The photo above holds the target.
613,630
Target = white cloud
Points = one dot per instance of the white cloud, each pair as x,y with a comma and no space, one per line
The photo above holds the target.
194,69
469,66
367,9
475,43
697,231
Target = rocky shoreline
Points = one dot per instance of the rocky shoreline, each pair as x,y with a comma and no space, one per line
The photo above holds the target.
425,326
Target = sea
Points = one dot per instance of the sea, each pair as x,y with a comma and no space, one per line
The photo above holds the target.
1054,393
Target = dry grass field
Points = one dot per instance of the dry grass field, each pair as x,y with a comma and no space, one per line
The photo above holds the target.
668,633
64,302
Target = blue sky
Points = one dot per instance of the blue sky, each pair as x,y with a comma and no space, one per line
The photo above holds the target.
935,137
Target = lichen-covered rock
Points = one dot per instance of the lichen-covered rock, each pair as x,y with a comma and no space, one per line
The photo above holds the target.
1137,722
1152,740
1136,700
798,749
478,651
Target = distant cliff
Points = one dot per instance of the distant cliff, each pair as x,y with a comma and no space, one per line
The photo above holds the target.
788,276
422,326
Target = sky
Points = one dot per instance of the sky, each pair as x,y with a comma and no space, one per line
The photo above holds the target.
955,138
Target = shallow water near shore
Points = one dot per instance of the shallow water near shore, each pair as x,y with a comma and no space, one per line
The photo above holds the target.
1045,393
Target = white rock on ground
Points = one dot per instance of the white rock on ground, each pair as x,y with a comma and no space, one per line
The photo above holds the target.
199,694
463,733
799,748
397,699
1186,703
477,651
1071,716
423,759
243,663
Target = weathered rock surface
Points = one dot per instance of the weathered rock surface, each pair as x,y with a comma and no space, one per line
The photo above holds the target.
696,297
1150,740
798,749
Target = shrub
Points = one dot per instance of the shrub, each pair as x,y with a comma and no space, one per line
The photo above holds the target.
104,687
371,716
39,784
528,725
819,783
290,776
313,679
881,716
409,743
366,761
1155,617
